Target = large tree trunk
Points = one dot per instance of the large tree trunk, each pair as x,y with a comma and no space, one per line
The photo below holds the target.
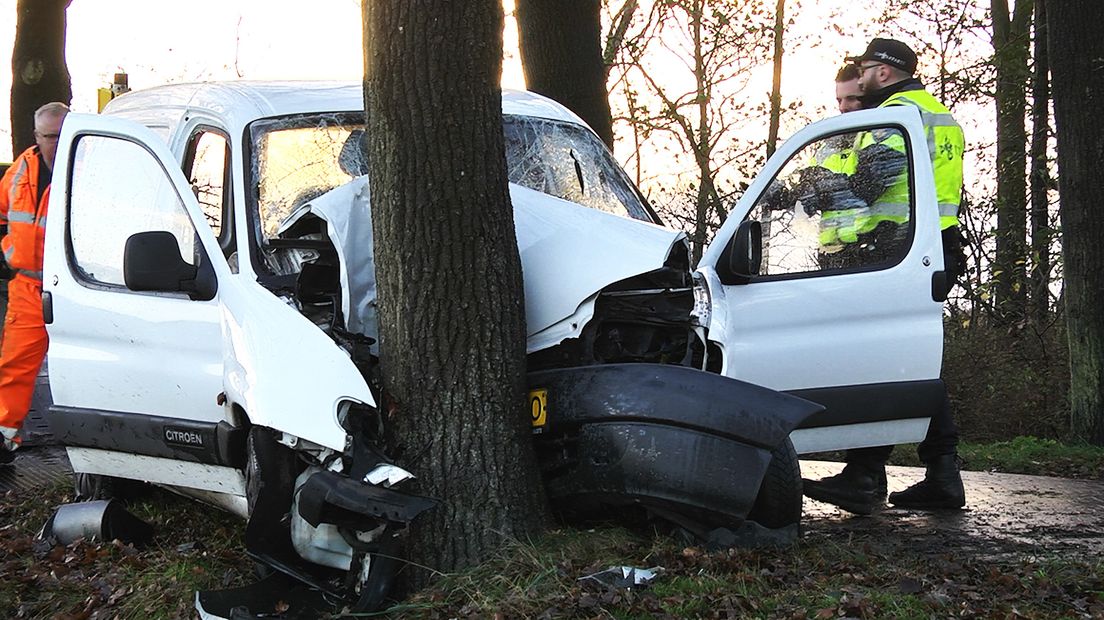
452,332
1077,72
39,73
1041,232
1010,43
561,55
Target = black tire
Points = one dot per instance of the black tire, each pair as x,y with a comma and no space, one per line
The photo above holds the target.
779,501
91,487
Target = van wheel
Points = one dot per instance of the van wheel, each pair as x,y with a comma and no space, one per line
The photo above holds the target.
779,501
91,487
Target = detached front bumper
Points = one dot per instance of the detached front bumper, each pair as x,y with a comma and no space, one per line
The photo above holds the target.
666,437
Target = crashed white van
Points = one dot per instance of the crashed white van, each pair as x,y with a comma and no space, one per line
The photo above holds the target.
209,294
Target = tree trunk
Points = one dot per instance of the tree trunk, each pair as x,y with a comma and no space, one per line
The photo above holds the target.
1041,232
452,331
1010,39
1076,50
561,55
703,139
776,85
618,29
39,73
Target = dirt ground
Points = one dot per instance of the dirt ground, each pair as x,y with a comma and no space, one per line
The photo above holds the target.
994,559
1006,514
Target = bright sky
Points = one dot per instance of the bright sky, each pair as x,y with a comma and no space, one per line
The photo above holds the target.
160,42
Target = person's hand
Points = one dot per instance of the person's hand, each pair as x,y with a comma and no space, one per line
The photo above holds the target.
777,197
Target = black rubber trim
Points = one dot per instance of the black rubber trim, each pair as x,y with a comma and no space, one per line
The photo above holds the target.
674,439
327,497
672,396
876,402
209,443
680,470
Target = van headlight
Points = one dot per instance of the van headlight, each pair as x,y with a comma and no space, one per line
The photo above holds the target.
703,303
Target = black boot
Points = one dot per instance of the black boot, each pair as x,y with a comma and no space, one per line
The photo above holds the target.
859,488
6,455
941,488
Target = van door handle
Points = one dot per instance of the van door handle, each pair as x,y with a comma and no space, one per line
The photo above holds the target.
47,307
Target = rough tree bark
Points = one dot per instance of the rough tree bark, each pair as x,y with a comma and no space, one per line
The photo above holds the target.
39,72
1076,51
1039,182
561,55
452,332
1010,46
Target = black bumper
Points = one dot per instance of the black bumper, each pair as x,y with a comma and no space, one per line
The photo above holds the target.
661,436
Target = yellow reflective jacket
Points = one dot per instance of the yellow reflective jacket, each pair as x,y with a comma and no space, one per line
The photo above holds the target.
946,145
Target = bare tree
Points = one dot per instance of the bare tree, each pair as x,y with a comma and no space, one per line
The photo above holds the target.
1042,233
776,85
1011,35
452,333
718,42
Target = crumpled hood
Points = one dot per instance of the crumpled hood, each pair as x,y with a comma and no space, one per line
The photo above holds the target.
570,252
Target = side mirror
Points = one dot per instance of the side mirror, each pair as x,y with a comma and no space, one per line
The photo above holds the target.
743,256
152,262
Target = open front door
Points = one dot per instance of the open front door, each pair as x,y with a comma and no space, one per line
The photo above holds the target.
842,310
135,374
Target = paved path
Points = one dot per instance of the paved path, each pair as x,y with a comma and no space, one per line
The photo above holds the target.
1005,514
39,462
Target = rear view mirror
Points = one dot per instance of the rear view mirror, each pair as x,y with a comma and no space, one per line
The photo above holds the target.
743,255
152,262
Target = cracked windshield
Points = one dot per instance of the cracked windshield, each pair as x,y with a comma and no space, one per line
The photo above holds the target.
298,159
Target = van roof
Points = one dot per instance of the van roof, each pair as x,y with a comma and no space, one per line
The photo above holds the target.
237,103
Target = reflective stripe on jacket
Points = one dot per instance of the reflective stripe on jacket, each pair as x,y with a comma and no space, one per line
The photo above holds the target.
837,226
946,145
24,216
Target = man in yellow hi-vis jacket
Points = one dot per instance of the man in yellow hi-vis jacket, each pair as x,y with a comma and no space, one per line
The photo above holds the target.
880,179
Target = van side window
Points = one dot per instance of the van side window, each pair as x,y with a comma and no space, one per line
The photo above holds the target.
206,168
841,203
119,189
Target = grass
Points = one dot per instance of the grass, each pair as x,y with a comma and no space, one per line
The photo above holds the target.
813,579
832,572
113,580
1022,455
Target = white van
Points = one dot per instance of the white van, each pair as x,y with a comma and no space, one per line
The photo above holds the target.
209,294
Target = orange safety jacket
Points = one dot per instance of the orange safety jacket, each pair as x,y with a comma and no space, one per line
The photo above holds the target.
24,216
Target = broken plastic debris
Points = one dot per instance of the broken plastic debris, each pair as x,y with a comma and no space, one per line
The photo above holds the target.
390,475
625,576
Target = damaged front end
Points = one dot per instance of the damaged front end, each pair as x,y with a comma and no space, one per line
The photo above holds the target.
688,446
617,351
642,319
345,514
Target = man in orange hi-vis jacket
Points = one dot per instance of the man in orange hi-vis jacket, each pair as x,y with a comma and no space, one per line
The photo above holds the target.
24,194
